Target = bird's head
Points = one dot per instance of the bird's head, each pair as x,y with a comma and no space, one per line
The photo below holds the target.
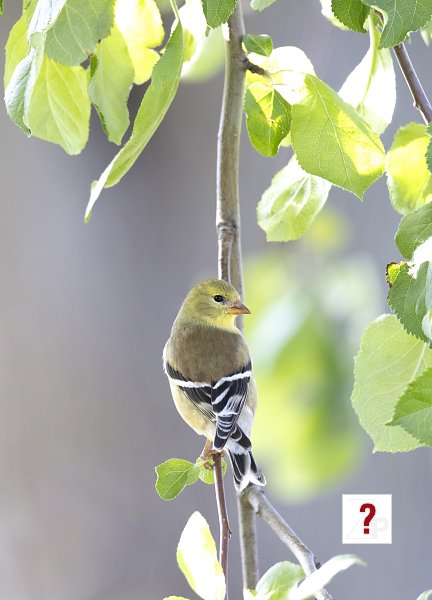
214,302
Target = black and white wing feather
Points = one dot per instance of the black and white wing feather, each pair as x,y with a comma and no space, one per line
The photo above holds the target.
228,396
221,402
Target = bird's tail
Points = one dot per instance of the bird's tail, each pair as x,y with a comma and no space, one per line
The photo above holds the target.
245,469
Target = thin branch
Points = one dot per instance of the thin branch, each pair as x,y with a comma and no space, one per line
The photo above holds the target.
251,501
421,101
225,531
263,507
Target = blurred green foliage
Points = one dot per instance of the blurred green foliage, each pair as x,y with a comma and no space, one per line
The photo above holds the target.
309,309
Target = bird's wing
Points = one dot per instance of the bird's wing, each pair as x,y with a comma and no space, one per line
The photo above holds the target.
199,393
228,396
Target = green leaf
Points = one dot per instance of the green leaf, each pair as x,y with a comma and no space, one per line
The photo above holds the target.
287,67
413,411
1,7
110,84
279,580
261,5
140,23
260,44
332,141
425,595
400,17
268,117
173,476
207,475
321,577
291,203
16,46
371,87
352,13
197,559
408,298
59,110
156,101
388,360
74,32
19,91
426,34
218,11
414,229
405,157
392,271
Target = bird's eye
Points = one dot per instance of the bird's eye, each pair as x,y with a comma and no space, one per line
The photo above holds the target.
218,298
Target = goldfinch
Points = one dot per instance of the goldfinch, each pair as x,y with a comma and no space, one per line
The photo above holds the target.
209,369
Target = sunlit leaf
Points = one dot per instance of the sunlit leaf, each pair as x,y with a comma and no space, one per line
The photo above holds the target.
332,141
388,360
291,203
261,5
413,411
371,87
110,84
74,32
259,44
197,558
16,46
156,101
218,11
20,88
410,299
59,110
429,148
400,17
405,157
426,34
414,230
268,117
207,475
320,578
141,25
279,580
173,476
352,13
287,67
326,11
425,595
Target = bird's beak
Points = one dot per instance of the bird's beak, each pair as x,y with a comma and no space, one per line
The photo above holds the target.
238,309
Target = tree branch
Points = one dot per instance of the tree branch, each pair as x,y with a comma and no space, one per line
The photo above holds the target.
225,531
263,507
251,501
421,101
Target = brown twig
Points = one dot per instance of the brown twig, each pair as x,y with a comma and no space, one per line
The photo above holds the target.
225,531
421,101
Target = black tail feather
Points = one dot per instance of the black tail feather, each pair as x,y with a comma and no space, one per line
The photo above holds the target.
245,469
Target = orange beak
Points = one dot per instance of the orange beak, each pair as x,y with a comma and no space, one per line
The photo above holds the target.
238,309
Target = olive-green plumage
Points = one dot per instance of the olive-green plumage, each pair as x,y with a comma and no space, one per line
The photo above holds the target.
209,369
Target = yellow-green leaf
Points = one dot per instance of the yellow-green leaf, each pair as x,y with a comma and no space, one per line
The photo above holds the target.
156,101
110,84
268,117
332,141
140,23
291,203
173,476
408,178
388,360
197,559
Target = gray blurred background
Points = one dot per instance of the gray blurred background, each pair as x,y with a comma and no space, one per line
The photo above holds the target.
85,310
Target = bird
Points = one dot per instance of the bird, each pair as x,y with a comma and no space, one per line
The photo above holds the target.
208,365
